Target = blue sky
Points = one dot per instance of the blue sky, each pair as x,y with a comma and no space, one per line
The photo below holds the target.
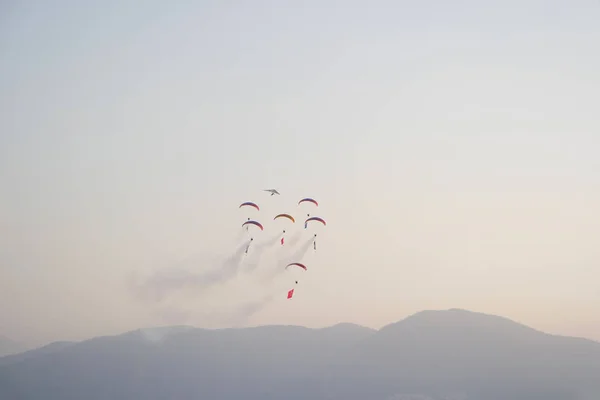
453,149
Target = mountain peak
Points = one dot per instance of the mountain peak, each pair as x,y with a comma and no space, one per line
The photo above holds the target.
456,317
348,326
457,327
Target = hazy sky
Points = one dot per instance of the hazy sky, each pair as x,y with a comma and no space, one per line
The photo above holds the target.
454,148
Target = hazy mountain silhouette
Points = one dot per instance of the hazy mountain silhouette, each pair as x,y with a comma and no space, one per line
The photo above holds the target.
453,354
48,349
9,346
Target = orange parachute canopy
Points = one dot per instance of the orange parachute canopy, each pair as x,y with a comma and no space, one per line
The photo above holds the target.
288,216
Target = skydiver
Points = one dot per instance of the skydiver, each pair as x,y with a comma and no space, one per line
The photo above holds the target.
296,282
247,225
247,247
315,242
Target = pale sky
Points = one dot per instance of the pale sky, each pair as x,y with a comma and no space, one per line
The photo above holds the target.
454,148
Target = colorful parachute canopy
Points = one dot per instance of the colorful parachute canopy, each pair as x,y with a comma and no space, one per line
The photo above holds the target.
290,293
321,220
297,264
288,216
253,223
249,203
309,200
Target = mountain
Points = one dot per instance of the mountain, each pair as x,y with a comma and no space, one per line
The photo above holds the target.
9,346
48,349
432,355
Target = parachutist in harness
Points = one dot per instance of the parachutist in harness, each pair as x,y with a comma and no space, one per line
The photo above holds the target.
247,247
315,242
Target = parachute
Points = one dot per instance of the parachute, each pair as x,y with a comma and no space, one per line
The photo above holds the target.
309,200
288,216
321,220
250,204
251,222
291,292
296,264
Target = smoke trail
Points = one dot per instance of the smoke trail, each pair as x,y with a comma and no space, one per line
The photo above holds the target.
241,315
168,280
237,317
299,254
273,240
295,238
256,255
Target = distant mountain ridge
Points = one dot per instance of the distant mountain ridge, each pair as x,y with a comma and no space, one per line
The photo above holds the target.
9,346
451,354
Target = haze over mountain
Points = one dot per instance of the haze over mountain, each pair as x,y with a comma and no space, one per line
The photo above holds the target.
9,346
452,354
